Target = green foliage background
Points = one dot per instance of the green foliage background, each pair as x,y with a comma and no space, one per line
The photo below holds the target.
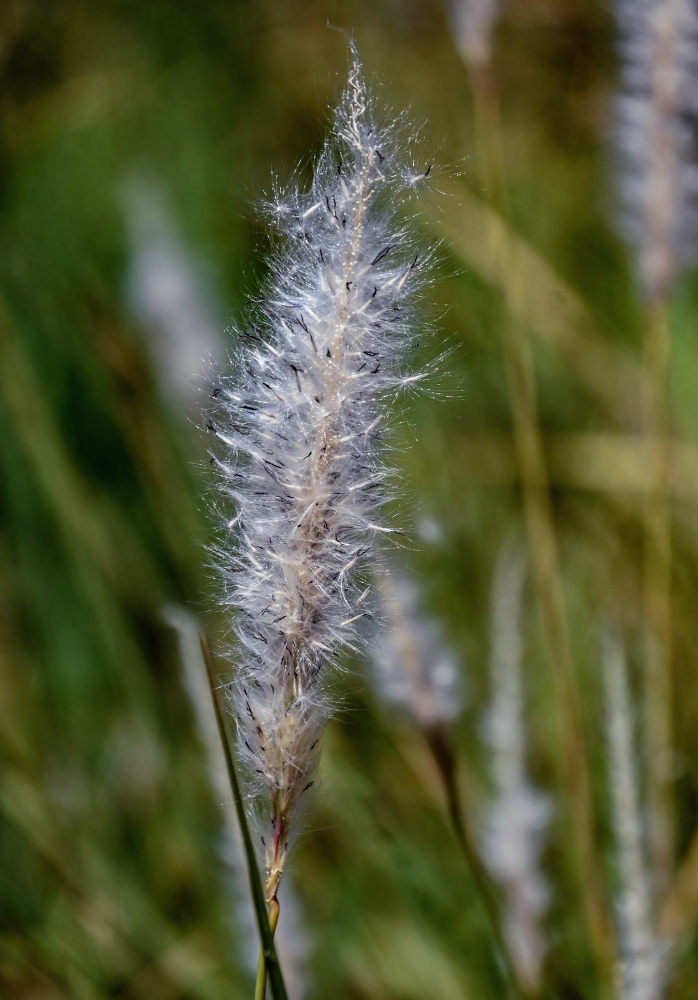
113,884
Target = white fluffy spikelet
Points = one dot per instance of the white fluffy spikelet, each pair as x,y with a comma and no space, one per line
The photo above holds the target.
642,954
656,136
299,423
519,813
412,668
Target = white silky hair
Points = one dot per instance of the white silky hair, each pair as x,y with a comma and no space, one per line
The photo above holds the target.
656,136
299,456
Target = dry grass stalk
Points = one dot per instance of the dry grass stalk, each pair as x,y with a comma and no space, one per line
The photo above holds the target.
658,191
503,251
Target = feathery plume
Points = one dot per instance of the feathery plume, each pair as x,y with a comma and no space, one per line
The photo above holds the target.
642,971
299,424
412,668
656,136
519,813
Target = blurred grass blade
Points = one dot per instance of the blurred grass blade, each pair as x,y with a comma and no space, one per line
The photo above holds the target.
273,968
542,301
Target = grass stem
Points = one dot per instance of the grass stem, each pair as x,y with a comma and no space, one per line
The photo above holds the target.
442,752
267,950
260,989
528,444
657,587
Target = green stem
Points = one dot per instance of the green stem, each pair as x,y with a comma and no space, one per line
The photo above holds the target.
442,751
260,988
657,585
268,952
540,528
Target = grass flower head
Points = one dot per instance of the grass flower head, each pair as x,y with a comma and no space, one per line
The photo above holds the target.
656,136
299,424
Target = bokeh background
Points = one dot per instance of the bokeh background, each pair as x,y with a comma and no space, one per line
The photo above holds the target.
135,139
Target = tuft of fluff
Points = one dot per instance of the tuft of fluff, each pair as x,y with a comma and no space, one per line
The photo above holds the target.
518,813
656,136
472,24
299,424
412,669
642,972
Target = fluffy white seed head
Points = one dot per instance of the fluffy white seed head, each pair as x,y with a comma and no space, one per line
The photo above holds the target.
657,136
412,668
518,813
642,972
299,425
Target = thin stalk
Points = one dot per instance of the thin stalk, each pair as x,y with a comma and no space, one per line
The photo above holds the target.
657,587
260,989
268,952
540,530
442,752
679,907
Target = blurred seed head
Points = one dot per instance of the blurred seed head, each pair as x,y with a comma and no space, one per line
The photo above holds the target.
412,667
518,813
472,24
656,137
168,293
642,973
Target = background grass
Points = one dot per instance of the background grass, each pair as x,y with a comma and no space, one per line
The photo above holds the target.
113,883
